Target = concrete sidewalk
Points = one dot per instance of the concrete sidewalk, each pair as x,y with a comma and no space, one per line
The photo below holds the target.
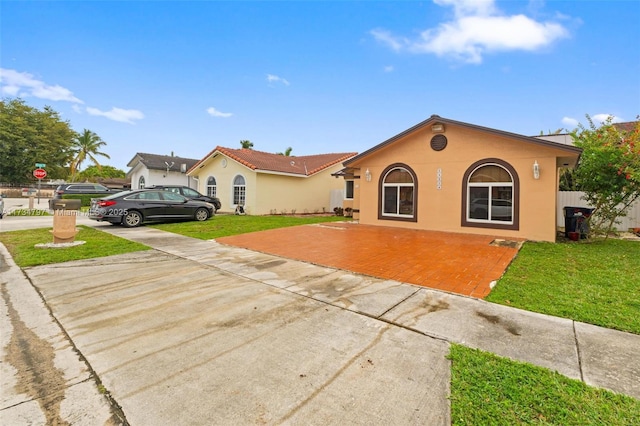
195,332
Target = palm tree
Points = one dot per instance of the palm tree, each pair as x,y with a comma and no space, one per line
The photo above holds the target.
246,144
86,145
286,153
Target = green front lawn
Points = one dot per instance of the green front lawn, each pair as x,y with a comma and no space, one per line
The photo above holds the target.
490,390
224,225
21,245
597,283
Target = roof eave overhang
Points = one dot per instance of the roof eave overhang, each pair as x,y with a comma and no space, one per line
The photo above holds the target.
437,119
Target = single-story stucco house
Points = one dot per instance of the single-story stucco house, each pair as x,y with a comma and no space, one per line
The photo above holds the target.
265,183
446,175
153,169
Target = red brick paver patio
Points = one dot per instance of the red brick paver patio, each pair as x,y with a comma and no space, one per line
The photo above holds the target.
459,263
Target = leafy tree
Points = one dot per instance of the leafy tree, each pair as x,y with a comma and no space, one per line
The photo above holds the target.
608,172
246,144
92,173
568,180
286,153
86,145
29,136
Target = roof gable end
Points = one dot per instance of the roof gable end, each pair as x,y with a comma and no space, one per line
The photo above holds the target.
436,119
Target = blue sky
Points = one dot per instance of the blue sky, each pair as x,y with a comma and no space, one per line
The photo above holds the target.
317,76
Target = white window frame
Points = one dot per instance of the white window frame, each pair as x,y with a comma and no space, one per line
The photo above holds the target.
242,191
398,186
489,186
212,189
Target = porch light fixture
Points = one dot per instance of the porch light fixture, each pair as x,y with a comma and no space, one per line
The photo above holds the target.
367,175
536,170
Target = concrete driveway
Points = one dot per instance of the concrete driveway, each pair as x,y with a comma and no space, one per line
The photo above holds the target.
180,342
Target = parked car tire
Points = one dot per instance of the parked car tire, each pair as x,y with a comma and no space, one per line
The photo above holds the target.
201,215
132,219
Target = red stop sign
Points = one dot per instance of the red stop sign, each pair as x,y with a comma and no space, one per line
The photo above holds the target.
40,173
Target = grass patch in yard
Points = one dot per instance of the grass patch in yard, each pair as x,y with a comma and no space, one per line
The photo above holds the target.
597,283
490,390
21,245
224,225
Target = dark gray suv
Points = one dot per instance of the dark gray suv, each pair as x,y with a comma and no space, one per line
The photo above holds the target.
190,193
82,188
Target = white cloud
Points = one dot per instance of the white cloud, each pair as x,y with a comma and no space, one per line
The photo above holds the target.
118,114
23,84
601,118
215,113
598,119
389,68
570,123
478,28
275,79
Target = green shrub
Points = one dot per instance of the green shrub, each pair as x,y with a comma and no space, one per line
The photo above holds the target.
85,199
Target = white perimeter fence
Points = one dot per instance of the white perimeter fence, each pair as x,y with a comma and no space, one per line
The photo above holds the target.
574,199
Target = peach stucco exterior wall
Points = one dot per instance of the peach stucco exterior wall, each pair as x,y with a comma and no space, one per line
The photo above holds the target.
441,209
268,193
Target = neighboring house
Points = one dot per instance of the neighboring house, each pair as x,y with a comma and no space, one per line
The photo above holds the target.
451,176
115,183
152,169
265,183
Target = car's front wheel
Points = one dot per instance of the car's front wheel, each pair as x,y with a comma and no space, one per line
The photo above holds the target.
132,219
201,214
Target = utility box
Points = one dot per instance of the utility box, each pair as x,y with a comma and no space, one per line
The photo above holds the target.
65,213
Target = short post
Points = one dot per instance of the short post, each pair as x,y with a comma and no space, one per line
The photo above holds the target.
64,220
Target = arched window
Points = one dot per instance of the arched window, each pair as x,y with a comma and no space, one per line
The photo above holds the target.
491,195
398,190
141,182
211,186
239,190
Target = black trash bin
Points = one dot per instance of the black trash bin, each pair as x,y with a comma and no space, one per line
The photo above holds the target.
575,220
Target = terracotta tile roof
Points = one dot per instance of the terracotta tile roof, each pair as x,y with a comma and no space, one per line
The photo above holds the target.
157,162
628,126
304,165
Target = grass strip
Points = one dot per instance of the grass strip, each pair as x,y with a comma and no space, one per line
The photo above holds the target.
489,390
21,245
224,225
597,283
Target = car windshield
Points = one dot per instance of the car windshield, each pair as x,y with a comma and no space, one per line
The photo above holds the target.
191,192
